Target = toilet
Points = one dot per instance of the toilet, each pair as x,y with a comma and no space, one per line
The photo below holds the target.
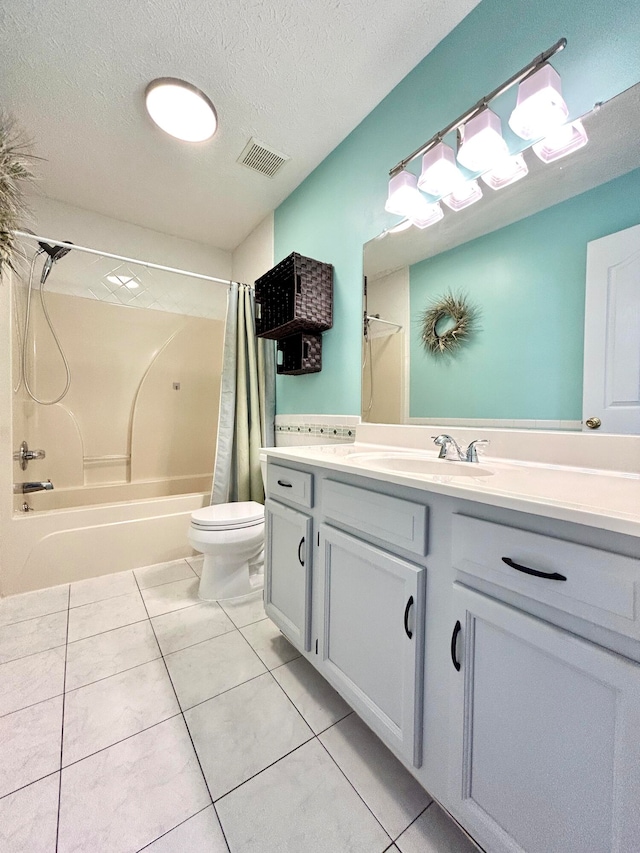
231,537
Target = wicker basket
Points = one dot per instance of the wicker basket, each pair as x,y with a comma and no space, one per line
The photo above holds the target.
295,296
299,354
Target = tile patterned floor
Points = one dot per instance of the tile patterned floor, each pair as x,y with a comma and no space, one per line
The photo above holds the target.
135,717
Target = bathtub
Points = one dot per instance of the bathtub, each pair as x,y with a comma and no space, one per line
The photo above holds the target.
68,542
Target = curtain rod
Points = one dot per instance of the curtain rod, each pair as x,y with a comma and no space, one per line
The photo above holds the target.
150,264
482,103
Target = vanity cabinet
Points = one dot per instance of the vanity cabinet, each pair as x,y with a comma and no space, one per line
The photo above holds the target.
543,733
371,640
288,564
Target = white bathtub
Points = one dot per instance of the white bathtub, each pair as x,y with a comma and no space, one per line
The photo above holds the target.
54,546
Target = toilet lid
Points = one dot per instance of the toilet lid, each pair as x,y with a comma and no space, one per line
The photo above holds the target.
228,516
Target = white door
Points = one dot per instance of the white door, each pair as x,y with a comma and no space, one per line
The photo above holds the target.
612,333
545,753
287,587
372,639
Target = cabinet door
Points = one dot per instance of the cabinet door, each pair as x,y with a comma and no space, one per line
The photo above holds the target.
287,588
373,639
544,735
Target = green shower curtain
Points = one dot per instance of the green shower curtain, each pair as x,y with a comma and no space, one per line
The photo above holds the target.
247,403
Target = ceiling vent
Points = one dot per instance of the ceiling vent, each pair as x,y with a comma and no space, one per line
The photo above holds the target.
261,158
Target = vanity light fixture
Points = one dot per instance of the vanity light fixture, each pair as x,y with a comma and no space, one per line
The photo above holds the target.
506,171
562,141
181,109
482,145
540,112
540,107
440,175
464,196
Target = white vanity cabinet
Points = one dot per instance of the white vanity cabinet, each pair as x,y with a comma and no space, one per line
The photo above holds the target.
288,563
543,732
371,639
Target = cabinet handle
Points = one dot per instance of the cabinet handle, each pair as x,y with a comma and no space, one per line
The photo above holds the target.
550,576
300,560
454,640
285,484
408,630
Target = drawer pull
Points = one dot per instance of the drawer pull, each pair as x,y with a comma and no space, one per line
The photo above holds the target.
454,639
284,484
550,576
408,630
300,560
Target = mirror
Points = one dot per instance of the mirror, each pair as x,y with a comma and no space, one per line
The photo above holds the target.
519,256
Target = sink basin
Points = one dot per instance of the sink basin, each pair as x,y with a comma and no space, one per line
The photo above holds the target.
420,466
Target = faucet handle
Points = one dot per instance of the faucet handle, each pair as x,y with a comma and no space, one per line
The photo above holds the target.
472,452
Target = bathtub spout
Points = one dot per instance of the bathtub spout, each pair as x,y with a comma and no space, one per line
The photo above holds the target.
27,488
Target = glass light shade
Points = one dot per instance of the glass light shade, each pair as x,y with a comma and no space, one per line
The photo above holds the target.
482,143
463,196
506,171
428,215
404,197
440,175
562,141
540,106
181,109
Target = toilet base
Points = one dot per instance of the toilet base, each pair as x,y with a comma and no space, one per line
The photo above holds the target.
223,579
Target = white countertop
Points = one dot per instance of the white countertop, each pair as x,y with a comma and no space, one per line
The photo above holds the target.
609,500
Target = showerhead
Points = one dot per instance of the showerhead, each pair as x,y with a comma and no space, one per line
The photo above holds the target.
55,252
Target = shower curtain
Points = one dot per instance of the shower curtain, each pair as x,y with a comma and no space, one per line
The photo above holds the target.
247,403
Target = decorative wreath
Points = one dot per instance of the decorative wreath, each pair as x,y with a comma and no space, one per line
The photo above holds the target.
455,309
15,171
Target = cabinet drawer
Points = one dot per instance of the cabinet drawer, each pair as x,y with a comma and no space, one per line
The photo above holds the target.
292,485
598,586
395,521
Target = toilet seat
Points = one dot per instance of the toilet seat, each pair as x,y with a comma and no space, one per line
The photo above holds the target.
229,516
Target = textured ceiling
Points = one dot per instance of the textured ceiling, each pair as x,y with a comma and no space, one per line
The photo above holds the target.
298,75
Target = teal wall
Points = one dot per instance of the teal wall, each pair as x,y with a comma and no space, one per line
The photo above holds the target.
340,206
528,280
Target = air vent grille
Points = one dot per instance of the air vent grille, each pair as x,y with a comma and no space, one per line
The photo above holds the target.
261,158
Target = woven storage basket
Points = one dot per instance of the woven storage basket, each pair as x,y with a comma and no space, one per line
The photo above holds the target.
300,353
295,296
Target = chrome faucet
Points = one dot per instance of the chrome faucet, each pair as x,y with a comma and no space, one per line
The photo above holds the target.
27,488
445,441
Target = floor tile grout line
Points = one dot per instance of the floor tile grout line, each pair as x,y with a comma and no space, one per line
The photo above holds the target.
31,654
184,719
30,705
417,817
182,822
89,636
64,682
112,674
293,703
102,600
368,807
28,784
31,618
164,583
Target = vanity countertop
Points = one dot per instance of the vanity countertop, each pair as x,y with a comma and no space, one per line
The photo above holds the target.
609,500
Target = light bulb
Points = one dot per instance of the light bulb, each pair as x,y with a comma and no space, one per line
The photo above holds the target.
540,106
440,175
464,196
562,141
181,109
506,171
482,143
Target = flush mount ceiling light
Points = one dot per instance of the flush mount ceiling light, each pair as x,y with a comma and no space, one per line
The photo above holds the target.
540,107
181,109
540,112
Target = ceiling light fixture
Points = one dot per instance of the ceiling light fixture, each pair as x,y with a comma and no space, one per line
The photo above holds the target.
181,109
540,111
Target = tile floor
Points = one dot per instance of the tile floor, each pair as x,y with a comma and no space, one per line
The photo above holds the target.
134,717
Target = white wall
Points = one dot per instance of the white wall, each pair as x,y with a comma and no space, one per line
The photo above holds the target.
254,256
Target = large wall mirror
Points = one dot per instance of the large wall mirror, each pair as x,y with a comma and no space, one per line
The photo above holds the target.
520,257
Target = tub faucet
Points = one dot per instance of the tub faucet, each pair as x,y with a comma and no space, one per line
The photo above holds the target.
27,488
